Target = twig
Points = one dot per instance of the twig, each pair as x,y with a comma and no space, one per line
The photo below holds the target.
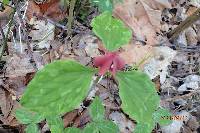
92,90
184,25
29,50
21,17
56,23
22,24
194,109
112,107
91,93
2,33
26,7
6,37
182,97
70,17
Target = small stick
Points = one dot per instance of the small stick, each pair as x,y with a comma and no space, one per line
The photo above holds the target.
2,33
70,17
181,97
184,25
6,37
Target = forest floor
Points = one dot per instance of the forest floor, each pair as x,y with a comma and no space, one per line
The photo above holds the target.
36,38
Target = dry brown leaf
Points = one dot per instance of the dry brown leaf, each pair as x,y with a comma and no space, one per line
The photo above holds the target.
191,36
5,102
8,107
32,10
143,17
191,10
50,10
82,119
4,16
134,54
19,66
125,125
69,117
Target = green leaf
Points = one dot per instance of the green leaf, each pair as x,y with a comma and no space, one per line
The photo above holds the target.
97,110
58,88
91,128
103,5
101,127
159,116
111,31
72,130
55,123
6,2
138,95
108,127
32,128
143,128
26,117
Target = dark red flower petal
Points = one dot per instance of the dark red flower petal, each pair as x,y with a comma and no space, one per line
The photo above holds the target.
103,62
120,63
109,62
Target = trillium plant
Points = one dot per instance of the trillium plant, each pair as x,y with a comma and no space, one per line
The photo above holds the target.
61,86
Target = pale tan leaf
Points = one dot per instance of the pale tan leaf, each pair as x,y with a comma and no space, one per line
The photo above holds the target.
143,17
133,54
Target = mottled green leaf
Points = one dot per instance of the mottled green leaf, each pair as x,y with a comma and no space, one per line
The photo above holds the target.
138,95
55,123
143,128
111,31
97,110
103,5
58,88
25,116
101,127
108,127
91,128
32,128
159,116
72,130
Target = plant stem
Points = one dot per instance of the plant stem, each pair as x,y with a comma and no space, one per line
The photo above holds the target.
184,25
92,90
70,17
5,38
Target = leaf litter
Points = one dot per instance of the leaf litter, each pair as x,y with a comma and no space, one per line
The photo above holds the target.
174,66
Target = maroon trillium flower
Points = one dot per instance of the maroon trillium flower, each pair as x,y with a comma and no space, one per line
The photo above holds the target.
111,61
